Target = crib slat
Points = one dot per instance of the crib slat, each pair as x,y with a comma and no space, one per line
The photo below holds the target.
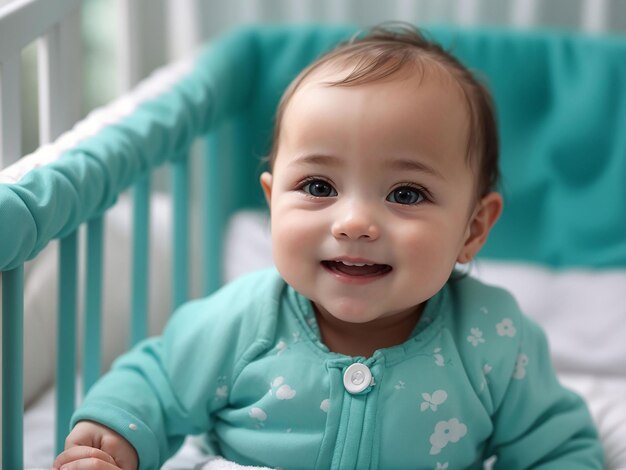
128,44
594,15
12,367
211,221
524,12
183,24
251,11
141,244
300,10
338,11
405,9
50,94
180,276
10,110
66,336
58,69
467,12
93,304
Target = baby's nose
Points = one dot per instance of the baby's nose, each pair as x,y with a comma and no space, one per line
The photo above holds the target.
356,223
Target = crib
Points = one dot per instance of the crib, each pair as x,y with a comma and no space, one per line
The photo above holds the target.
560,245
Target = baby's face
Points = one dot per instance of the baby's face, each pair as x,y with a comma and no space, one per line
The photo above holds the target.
371,196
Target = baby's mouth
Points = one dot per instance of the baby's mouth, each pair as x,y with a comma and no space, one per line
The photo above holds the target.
356,269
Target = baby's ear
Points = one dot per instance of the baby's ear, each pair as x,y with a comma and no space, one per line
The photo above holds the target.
486,214
266,184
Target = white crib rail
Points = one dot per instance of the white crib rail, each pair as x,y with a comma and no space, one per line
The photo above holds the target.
21,22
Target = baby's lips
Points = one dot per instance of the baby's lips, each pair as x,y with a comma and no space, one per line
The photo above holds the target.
358,269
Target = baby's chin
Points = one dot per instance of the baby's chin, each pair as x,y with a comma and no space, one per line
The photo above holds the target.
352,311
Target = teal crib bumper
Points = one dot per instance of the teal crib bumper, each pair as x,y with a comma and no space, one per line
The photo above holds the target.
561,106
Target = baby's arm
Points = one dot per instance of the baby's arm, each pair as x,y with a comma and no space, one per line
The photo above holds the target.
539,423
171,386
95,444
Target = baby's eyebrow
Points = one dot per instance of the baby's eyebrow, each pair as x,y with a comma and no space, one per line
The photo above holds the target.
414,165
400,164
318,159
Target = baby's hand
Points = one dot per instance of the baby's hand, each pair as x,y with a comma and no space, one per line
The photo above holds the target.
94,446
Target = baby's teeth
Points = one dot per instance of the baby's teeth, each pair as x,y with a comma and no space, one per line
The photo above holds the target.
356,264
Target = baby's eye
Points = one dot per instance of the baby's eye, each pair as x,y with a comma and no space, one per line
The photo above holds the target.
406,195
319,188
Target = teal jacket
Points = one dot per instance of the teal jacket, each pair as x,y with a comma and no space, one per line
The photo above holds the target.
247,366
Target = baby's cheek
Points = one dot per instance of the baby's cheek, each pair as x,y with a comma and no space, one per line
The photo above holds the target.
430,256
293,243
289,232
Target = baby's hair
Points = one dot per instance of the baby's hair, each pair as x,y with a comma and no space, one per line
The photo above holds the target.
391,48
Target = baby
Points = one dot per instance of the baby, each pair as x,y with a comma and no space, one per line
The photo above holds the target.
363,348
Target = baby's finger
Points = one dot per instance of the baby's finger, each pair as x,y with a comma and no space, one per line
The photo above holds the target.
89,464
81,453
